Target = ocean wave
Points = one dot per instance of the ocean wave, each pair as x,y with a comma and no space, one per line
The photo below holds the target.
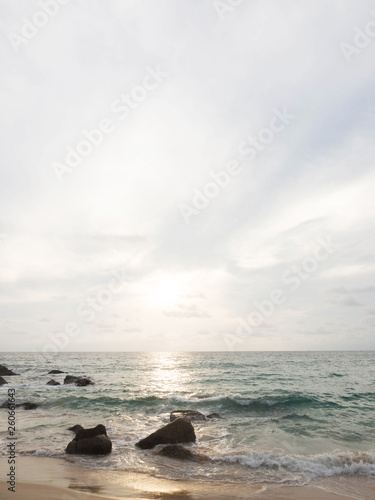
260,403
220,402
296,416
359,395
237,401
314,466
100,402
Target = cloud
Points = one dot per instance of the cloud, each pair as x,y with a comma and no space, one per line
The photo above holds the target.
118,209
186,311
346,291
350,302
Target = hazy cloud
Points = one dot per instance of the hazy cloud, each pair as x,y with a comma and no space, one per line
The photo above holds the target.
187,98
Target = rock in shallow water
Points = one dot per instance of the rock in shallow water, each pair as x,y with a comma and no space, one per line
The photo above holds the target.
75,428
82,382
55,372
181,453
30,406
90,433
53,382
98,445
3,381
70,379
176,451
214,415
178,431
5,371
78,381
26,406
90,441
192,415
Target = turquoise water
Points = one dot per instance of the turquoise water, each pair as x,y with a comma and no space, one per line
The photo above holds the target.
287,416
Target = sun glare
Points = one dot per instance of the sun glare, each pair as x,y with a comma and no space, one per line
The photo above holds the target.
166,290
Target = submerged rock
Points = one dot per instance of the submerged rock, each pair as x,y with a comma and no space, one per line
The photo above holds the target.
214,415
181,453
90,441
53,382
176,451
178,431
55,372
5,371
26,406
29,406
192,415
3,381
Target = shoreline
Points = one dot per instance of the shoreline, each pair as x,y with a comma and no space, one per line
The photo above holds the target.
44,478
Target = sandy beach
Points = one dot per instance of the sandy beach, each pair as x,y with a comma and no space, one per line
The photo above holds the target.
41,478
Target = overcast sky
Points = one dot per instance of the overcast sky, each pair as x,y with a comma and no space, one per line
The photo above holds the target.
225,199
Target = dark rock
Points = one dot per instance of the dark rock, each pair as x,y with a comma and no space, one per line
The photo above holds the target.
90,441
192,415
79,381
178,431
53,382
98,445
29,406
181,453
176,451
71,448
70,379
26,406
214,415
5,371
75,428
90,433
3,381
55,372
82,381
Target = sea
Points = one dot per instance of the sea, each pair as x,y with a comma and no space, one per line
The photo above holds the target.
286,417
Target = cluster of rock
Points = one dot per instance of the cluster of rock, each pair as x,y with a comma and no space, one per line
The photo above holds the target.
9,373
70,379
79,381
96,442
180,430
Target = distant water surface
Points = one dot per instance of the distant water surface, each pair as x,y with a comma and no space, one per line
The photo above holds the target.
286,416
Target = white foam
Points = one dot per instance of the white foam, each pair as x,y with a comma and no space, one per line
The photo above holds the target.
314,466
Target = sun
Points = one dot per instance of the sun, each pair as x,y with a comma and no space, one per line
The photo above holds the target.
166,290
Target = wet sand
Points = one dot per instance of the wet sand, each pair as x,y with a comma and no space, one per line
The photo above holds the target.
41,478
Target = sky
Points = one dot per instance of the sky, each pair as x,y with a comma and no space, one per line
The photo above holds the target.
182,175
